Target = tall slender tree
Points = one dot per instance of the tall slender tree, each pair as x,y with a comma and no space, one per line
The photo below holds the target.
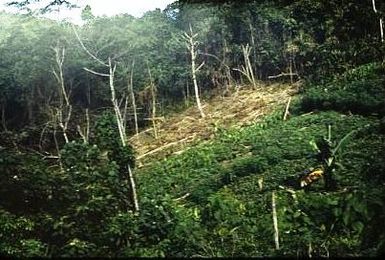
192,44
111,66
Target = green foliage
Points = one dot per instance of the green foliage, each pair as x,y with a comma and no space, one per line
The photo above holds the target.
16,236
319,38
106,135
279,152
360,91
67,205
214,199
86,14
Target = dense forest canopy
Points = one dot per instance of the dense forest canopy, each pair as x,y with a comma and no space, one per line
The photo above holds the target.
72,97
315,38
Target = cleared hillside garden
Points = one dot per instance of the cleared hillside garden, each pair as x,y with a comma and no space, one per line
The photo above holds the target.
104,152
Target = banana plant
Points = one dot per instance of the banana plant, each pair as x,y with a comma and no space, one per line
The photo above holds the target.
326,154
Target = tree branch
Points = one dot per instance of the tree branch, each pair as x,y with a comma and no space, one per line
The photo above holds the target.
97,73
200,66
86,50
282,75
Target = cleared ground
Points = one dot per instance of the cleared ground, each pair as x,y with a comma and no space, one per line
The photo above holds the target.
243,107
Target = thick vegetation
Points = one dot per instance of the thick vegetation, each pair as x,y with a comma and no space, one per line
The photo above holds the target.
66,185
228,183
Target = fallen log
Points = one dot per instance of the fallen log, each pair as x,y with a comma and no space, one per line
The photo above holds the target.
164,147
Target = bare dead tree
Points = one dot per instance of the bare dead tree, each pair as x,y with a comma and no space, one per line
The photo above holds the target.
153,91
290,51
275,221
130,89
253,42
287,113
85,132
65,108
111,66
191,44
247,69
381,21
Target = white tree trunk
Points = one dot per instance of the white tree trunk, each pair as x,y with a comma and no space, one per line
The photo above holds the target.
65,106
196,88
381,21
247,69
253,44
133,188
122,133
153,103
133,101
84,133
118,115
275,221
191,43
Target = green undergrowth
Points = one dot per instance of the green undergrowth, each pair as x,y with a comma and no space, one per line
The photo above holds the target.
359,91
222,180
216,198
225,186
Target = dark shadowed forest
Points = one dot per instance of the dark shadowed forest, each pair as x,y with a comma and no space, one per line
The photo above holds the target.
207,129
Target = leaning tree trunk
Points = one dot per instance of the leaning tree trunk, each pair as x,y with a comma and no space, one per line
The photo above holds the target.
122,133
118,115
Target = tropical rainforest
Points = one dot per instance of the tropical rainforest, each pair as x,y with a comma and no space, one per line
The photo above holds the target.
208,129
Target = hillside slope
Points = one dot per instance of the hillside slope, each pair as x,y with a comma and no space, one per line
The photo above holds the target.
243,107
215,198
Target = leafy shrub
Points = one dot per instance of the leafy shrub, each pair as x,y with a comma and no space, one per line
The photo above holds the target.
16,236
67,205
207,201
25,182
106,135
360,91
161,228
272,151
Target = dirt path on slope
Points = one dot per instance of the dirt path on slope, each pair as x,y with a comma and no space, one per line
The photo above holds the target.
244,107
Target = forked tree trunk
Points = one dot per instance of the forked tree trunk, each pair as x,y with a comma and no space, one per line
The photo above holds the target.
84,133
122,132
118,116
65,110
191,44
247,68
